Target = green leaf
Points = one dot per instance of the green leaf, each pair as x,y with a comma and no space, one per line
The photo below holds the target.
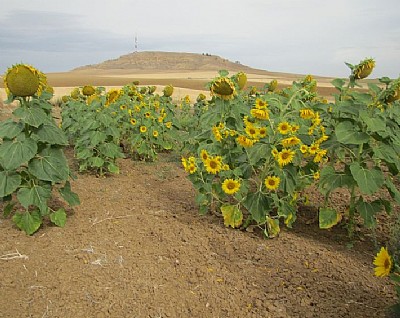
96,162
36,195
328,218
14,153
386,153
258,206
97,137
9,182
367,211
84,153
10,129
33,116
51,134
368,180
257,152
273,228
8,209
232,215
338,83
50,165
113,168
330,180
28,222
59,217
110,150
69,196
347,133
392,189
374,124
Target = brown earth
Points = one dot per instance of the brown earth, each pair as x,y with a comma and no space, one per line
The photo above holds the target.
137,247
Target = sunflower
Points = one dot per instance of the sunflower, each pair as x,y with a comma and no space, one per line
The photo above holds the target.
261,104
155,133
289,142
272,182
147,114
192,168
284,127
307,113
245,142
88,90
319,156
213,165
261,114
383,263
133,121
285,157
241,79
304,148
168,90
313,148
224,88
204,155
217,134
262,132
168,124
122,107
23,80
274,152
272,85
252,131
230,186
112,96
363,69
201,97
143,129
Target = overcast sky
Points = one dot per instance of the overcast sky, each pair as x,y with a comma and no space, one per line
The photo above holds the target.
296,36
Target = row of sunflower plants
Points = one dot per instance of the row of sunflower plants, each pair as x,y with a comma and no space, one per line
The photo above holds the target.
131,121
32,160
254,153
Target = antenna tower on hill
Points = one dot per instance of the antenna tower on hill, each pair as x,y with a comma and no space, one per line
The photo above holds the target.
136,43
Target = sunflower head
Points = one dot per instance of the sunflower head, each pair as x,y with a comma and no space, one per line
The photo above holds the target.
241,79
392,93
152,89
75,93
363,69
223,87
88,90
383,263
272,85
201,97
168,90
22,80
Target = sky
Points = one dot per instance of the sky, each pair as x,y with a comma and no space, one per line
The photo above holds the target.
295,36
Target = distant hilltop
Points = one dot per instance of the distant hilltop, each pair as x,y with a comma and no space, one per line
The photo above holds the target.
168,61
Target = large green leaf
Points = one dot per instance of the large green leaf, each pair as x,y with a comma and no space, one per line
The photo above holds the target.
368,180
330,180
97,137
232,215
328,218
347,133
33,116
69,196
15,153
258,206
10,129
59,217
36,195
51,134
374,124
368,210
110,150
9,182
28,222
386,153
50,165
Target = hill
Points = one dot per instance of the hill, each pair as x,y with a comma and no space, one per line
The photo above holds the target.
169,61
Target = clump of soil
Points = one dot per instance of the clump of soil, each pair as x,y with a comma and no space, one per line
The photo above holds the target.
137,247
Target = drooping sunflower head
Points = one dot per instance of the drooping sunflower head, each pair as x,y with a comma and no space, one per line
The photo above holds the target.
363,69
241,79
23,80
152,89
392,93
272,85
112,96
168,90
224,88
75,93
88,90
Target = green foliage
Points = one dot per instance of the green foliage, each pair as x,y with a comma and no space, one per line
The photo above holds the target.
363,151
32,164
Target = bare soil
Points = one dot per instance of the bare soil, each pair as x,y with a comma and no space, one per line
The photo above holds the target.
137,247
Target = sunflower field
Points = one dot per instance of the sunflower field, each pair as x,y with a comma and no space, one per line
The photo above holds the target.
250,153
